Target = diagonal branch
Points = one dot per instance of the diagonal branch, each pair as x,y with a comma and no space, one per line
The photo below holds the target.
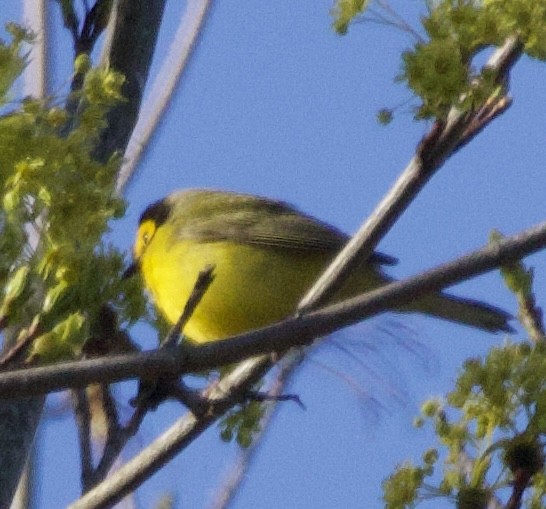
458,131
164,87
238,470
171,442
432,152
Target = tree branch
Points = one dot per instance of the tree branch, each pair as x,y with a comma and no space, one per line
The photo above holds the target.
432,152
35,77
279,337
403,192
297,331
237,471
82,415
164,87
129,51
170,443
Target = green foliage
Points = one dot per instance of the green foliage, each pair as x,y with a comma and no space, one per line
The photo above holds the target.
491,428
519,281
345,11
526,18
11,62
440,70
524,453
242,423
477,429
472,498
63,340
437,74
385,116
56,202
402,489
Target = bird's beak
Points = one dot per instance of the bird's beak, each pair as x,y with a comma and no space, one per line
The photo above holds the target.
131,270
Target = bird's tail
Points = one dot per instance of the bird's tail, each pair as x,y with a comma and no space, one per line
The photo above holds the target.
466,311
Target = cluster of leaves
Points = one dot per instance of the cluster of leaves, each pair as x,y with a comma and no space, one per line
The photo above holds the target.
56,201
494,436
242,423
439,69
491,427
345,11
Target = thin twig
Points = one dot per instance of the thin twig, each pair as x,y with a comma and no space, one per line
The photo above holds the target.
522,478
262,397
485,115
530,316
15,354
396,19
113,433
82,414
204,280
116,442
118,436
238,469
155,390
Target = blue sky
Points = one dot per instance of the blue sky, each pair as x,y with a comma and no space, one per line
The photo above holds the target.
275,103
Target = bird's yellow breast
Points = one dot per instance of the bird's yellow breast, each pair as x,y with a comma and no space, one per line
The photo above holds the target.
253,285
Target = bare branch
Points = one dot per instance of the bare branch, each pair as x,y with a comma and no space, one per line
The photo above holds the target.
34,77
435,148
164,87
83,420
168,445
204,280
279,337
117,439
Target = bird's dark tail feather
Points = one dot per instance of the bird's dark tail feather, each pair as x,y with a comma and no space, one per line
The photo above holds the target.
466,311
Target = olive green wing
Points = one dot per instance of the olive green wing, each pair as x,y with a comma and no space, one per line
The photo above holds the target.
210,216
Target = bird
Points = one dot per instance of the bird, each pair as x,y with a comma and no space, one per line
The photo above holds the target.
266,254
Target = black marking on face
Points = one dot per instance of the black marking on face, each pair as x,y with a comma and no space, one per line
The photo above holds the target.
157,212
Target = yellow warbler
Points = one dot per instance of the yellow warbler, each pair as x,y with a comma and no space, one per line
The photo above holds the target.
266,254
